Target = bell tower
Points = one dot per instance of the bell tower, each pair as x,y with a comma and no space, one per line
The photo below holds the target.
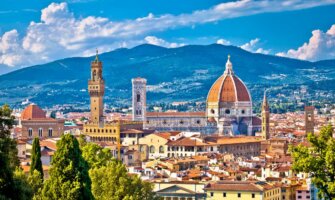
309,119
265,118
139,98
96,89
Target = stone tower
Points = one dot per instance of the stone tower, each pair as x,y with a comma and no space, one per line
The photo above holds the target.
265,118
96,89
139,98
309,119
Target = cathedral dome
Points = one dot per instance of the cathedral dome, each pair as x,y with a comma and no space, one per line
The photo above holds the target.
228,88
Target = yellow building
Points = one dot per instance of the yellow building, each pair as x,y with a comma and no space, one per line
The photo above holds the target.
242,190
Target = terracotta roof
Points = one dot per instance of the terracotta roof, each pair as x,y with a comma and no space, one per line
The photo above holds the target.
49,144
133,131
26,168
165,135
239,186
176,114
187,142
228,88
238,140
32,112
212,120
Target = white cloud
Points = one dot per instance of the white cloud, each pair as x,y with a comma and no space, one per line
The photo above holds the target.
60,34
223,42
160,42
321,46
253,46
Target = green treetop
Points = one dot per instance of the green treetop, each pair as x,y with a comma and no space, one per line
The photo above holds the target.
95,155
112,182
318,161
68,174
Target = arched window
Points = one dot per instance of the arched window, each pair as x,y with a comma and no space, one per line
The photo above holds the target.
30,132
40,132
161,149
50,132
152,149
138,98
94,75
212,111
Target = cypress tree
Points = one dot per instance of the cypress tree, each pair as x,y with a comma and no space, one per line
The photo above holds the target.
69,173
36,162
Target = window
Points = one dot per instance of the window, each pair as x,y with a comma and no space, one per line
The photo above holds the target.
138,98
227,111
152,149
212,111
299,197
253,195
243,111
308,197
40,132
198,121
30,132
224,194
239,195
212,194
50,132
161,149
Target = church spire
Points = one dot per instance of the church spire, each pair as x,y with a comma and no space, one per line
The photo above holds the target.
265,118
265,100
229,66
96,56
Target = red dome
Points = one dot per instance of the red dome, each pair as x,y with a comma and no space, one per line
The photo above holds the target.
32,112
228,88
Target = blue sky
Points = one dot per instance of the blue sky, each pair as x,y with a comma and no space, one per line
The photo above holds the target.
38,31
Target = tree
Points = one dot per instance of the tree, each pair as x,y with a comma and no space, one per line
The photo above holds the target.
95,155
82,141
318,161
22,188
36,163
36,183
68,174
113,182
8,154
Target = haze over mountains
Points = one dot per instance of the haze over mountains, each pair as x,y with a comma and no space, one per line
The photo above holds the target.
173,74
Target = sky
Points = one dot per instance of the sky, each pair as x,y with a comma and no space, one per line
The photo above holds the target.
39,31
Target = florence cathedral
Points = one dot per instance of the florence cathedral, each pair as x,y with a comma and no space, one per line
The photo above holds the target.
228,110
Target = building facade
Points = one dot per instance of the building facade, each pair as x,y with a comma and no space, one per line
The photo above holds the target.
242,190
35,123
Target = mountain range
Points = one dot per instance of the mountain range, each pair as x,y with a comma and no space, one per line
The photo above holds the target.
173,74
